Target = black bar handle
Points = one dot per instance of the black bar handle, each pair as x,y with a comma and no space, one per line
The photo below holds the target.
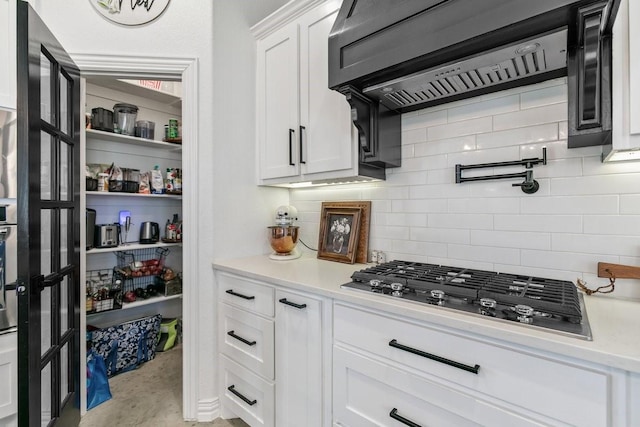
468,368
302,128
232,389
235,294
291,132
239,338
394,414
293,304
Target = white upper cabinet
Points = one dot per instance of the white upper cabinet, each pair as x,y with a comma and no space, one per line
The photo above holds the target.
8,52
626,69
304,128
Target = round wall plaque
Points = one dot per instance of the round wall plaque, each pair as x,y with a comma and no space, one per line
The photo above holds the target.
130,12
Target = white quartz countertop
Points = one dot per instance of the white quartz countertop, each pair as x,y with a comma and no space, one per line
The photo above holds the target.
615,323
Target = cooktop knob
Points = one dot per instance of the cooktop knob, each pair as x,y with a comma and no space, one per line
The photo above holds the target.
524,312
438,295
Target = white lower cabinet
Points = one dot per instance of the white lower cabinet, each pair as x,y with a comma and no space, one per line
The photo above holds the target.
246,394
273,361
444,374
299,364
369,392
8,380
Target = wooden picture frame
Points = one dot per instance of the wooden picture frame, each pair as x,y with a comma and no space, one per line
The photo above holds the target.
362,251
339,232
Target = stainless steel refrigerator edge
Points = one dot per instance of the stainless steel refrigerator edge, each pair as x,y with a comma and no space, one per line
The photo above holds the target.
8,231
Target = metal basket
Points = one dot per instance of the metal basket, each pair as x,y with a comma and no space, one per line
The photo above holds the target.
139,284
103,291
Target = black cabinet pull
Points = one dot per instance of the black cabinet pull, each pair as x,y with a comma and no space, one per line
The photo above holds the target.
235,294
302,128
232,389
291,132
239,338
473,369
292,304
394,414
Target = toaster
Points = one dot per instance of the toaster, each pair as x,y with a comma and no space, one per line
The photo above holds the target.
106,235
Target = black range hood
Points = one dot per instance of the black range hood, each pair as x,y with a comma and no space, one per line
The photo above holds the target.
393,56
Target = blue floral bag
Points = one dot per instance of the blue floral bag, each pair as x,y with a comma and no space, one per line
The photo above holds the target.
98,390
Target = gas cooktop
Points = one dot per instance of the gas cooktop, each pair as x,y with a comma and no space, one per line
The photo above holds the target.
555,305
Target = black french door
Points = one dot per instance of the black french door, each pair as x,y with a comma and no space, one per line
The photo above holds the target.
48,227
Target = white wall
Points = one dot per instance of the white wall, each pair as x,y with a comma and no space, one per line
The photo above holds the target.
233,212
584,212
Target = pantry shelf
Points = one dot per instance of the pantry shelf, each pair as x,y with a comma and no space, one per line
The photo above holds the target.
119,194
98,135
131,247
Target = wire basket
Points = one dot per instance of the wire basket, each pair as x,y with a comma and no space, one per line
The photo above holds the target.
103,291
139,268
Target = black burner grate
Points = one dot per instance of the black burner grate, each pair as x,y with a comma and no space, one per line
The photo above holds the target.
555,297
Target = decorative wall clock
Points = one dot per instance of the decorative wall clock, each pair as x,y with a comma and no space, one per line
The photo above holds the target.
130,12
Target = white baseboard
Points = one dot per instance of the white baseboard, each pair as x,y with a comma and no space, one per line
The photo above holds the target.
208,410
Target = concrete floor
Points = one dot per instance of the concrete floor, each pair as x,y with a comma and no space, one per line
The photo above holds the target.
150,396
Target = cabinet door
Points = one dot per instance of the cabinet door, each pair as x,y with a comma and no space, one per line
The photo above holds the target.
8,377
298,360
8,52
277,111
634,67
368,392
326,127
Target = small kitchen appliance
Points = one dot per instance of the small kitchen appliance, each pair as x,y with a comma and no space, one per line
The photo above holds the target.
554,305
124,118
283,236
149,232
91,226
106,236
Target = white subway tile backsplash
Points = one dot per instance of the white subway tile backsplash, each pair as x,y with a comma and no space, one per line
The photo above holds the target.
423,119
558,260
519,136
542,97
585,212
596,244
391,232
401,219
441,235
419,248
484,253
624,225
630,204
570,205
540,223
467,221
485,205
407,178
452,130
445,146
596,184
485,108
418,206
511,239
438,191
533,116
414,136
593,166
559,168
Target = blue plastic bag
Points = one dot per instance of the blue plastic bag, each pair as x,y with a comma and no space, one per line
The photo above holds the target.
98,390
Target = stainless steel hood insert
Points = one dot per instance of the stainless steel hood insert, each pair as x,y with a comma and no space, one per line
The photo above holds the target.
524,59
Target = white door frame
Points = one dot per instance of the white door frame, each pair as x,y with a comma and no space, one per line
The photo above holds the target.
185,69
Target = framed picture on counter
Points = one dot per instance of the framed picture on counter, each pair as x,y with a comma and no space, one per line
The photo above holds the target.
362,246
339,233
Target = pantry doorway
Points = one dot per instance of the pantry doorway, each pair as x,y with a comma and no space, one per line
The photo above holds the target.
100,67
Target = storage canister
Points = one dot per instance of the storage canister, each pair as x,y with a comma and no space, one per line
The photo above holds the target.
124,118
145,129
